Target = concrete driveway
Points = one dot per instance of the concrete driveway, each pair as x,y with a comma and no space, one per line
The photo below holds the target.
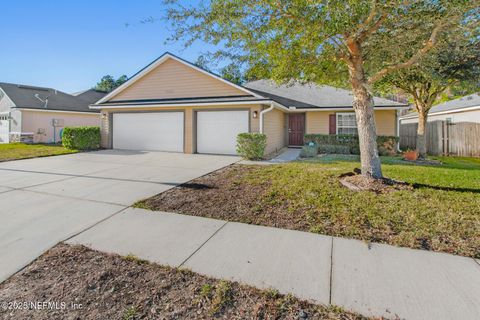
46,200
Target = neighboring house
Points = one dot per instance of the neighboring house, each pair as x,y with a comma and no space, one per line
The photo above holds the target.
173,105
464,109
36,114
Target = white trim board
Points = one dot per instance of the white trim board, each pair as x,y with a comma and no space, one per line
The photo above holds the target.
158,62
190,104
187,104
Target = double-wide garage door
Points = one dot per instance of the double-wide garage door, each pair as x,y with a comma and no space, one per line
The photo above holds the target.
158,131
216,131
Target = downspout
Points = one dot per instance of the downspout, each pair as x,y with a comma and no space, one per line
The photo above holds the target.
262,113
398,131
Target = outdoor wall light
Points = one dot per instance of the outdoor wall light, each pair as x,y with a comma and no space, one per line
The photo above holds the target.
255,114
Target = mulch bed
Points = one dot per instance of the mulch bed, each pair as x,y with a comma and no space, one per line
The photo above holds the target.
104,286
356,182
222,195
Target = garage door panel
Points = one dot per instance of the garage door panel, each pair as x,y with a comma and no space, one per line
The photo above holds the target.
217,130
159,131
4,129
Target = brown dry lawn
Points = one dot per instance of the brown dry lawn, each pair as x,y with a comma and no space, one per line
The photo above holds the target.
104,286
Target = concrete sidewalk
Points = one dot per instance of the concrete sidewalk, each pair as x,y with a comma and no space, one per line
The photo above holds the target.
375,280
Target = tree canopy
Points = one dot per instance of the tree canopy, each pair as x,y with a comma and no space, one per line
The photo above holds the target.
109,83
306,40
454,64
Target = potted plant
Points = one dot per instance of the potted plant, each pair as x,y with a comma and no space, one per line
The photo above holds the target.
410,155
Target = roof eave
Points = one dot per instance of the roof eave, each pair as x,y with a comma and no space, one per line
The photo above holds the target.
178,104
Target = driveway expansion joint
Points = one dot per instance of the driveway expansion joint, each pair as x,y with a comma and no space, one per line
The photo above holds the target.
73,198
476,261
95,224
331,273
196,250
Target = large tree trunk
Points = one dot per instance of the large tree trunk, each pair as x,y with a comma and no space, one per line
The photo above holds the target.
421,133
363,106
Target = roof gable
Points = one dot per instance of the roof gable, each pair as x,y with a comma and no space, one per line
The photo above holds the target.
170,77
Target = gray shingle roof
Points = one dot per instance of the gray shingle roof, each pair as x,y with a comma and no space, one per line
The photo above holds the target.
472,100
31,97
91,96
310,95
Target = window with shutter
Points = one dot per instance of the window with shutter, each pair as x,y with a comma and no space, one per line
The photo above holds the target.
346,123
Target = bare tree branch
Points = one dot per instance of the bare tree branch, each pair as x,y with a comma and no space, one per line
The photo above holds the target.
413,59
369,26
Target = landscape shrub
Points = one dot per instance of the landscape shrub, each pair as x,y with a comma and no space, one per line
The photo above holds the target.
386,144
251,145
81,138
333,149
309,151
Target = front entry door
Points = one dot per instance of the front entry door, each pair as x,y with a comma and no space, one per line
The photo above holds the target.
296,129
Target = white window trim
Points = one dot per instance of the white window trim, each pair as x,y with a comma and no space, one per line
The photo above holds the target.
345,113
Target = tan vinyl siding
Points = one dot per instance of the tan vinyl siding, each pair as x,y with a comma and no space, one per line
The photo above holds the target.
189,131
317,122
40,123
173,79
105,140
274,128
386,122
189,144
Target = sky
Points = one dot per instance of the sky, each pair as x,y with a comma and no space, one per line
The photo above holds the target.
69,45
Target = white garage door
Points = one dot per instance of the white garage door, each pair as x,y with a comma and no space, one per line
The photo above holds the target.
217,130
4,129
160,131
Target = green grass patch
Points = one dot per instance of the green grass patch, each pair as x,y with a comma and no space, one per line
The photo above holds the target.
16,151
442,213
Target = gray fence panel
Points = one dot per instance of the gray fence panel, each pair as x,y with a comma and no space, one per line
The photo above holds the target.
459,139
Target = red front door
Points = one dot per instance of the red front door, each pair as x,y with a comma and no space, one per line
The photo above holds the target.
296,129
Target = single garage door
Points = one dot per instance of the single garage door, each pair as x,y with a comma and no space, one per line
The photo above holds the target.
217,130
4,129
159,131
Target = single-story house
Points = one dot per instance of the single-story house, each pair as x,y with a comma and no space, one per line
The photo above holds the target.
37,114
173,105
464,109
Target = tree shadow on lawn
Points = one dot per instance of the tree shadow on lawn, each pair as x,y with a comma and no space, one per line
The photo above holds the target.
422,185
196,186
